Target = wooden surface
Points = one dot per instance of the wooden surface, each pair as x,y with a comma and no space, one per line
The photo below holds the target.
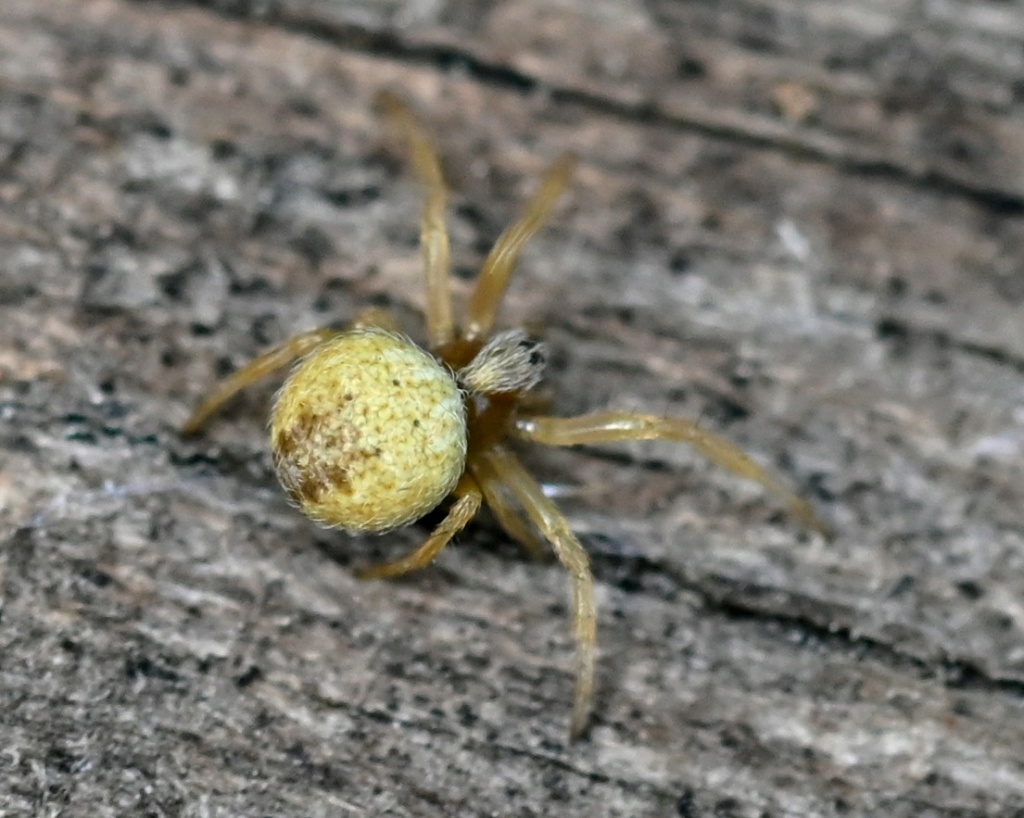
802,222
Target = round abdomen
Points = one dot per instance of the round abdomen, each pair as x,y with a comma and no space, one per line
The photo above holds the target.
368,432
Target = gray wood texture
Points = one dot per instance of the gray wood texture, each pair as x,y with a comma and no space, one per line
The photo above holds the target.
802,222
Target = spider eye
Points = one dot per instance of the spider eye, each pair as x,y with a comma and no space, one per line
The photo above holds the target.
536,351
510,362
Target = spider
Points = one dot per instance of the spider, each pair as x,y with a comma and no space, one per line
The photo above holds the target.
370,431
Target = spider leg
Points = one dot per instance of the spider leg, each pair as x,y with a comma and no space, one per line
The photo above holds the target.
462,511
499,465
509,515
433,231
376,317
276,358
606,427
501,262
258,368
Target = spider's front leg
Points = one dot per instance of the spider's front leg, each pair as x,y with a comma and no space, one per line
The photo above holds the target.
608,427
501,261
433,231
492,282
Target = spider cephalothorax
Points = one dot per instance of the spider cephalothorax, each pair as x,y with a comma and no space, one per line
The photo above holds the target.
371,431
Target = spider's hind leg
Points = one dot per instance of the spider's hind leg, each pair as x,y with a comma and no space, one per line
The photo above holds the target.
277,358
256,370
463,510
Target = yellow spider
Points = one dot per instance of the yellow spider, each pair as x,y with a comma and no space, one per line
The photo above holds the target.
371,431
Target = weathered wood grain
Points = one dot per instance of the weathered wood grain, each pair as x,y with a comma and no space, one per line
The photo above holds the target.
802,222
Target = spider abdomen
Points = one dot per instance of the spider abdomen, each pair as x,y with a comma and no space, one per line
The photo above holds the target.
368,432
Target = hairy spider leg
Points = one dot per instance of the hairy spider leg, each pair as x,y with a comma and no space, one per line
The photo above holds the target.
510,518
276,358
376,317
492,282
607,427
258,368
464,509
498,465
433,230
